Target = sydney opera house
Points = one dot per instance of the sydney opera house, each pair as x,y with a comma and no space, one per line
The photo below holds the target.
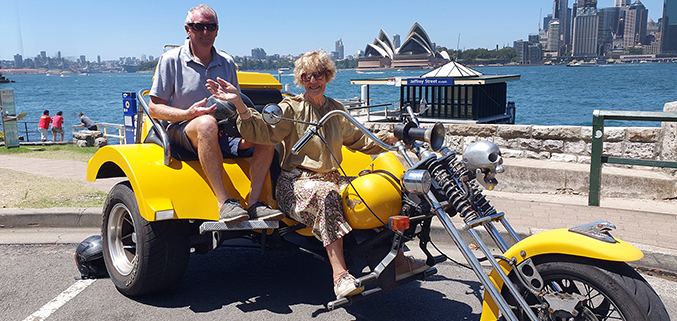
416,52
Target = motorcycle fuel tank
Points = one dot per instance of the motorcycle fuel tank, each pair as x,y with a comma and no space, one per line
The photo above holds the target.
379,190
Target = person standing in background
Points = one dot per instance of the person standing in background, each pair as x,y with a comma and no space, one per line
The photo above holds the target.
88,123
57,124
43,125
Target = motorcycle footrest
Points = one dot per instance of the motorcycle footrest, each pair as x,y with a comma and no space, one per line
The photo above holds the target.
344,302
211,226
429,272
367,293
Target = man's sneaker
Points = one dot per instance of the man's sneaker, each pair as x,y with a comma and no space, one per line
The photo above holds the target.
263,212
232,212
409,267
345,286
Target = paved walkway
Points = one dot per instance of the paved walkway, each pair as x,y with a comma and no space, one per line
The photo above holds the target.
651,225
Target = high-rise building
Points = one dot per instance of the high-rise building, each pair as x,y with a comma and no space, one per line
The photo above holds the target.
621,3
635,19
554,41
258,53
587,4
98,59
396,40
43,54
18,61
546,21
585,35
561,11
82,59
669,27
58,54
543,38
586,26
338,47
608,22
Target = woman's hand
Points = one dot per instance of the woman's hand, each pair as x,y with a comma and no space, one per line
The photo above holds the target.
224,90
392,139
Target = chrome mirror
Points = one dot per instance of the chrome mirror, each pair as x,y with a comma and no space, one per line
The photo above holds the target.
271,114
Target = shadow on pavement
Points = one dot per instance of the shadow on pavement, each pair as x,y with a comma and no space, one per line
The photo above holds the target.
279,281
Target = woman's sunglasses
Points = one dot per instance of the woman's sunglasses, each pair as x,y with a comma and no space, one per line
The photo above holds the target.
319,75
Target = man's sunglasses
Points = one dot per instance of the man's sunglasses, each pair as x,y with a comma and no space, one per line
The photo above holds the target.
203,26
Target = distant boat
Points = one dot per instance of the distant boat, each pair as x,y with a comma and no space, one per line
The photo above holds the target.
581,64
4,80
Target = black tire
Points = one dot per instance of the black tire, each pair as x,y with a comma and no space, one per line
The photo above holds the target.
141,257
613,290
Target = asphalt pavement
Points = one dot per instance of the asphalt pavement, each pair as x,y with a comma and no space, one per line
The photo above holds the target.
648,224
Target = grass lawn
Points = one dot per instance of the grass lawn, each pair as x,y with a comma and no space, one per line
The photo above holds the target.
24,190
69,151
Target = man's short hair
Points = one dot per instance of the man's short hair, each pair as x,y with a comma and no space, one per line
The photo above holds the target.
204,9
80,114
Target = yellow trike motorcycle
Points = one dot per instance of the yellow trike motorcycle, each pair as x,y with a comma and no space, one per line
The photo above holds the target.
165,210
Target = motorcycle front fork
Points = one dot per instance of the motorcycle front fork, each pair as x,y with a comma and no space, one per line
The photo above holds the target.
472,259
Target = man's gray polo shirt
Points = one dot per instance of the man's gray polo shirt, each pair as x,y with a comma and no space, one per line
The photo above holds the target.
181,80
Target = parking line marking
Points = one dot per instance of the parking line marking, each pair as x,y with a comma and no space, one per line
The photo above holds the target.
59,301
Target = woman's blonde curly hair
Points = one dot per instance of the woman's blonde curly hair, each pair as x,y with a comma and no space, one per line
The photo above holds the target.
313,61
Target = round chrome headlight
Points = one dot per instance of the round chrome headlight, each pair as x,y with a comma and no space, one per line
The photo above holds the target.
417,181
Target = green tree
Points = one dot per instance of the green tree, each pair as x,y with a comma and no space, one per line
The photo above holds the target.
346,64
635,50
147,66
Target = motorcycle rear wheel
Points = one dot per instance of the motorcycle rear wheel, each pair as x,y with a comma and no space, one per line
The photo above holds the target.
611,290
141,257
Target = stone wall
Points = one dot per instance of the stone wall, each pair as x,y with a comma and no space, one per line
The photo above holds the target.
89,138
558,143
565,143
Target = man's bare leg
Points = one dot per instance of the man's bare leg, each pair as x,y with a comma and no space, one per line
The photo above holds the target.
263,157
258,171
203,133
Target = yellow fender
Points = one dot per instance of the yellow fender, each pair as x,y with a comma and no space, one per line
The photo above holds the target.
181,187
559,241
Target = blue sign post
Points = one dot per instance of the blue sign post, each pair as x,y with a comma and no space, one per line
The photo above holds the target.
130,115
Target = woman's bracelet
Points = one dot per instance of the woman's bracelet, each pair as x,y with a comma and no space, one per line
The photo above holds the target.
239,113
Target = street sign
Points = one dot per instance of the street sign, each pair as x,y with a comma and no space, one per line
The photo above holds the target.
430,81
9,124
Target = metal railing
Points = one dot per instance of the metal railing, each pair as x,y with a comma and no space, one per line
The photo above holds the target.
121,136
25,126
160,130
598,118
369,111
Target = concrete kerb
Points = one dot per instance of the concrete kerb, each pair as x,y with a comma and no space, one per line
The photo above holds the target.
18,218
50,217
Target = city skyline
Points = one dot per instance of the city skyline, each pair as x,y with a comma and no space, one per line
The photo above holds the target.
33,26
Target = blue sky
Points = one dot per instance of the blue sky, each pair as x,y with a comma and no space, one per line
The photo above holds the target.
126,28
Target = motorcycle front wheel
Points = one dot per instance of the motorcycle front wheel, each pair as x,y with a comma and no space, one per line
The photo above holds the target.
605,291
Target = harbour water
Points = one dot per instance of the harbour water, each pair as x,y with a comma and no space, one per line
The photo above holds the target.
545,95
